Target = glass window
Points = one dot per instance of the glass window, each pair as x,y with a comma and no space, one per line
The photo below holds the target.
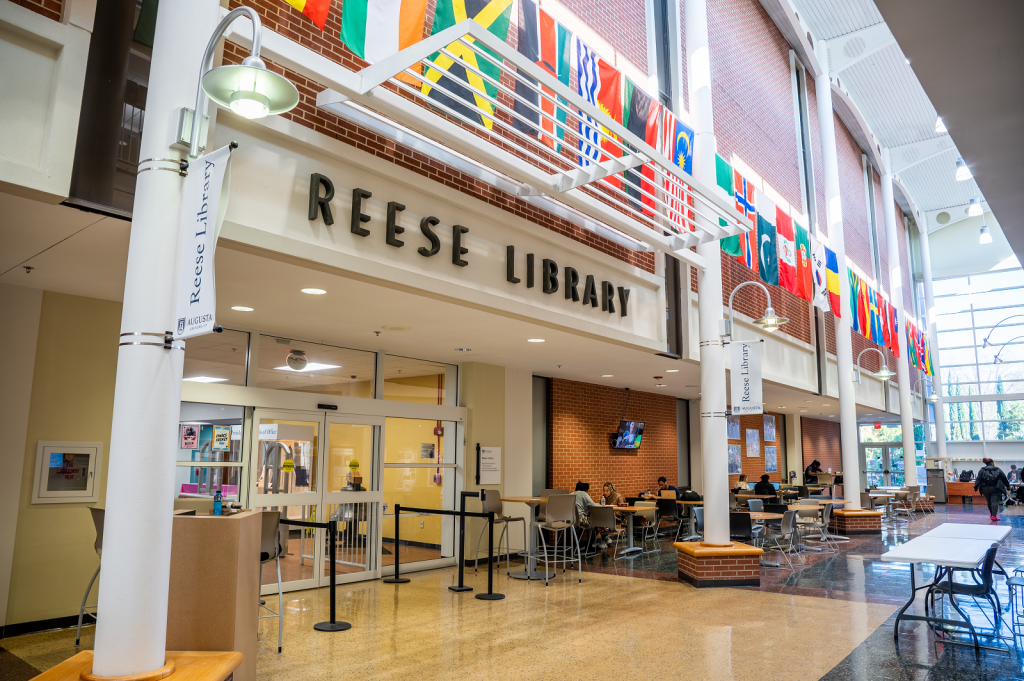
954,358
996,280
1004,430
1003,334
956,339
417,380
286,364
350,457
868,433
217,358
286,456
949,287
945,322
983,318
209,441
952,304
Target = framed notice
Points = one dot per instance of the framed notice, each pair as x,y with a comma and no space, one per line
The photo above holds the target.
769,428
427,450
771,460
753,443
733,427
490,465
67,472
221,438
189,436
735,465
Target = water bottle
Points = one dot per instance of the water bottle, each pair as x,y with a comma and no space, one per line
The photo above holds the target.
602,500
218,503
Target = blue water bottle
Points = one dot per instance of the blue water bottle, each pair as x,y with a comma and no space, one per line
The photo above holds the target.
218,503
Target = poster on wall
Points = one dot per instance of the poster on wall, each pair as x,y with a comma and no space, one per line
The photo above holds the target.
221,438
771,462
735,467
490,465
753,443
236,433
745,377
733,427
769,428
426,450
189,436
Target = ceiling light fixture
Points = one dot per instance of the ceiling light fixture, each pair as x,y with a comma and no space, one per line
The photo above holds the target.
985,237
962,171
241,308
933,398
534,340
883,374
671,371
660,385
974,210
607,376
310,366
463,349
204,379
391,327
769,322
940,127
314,291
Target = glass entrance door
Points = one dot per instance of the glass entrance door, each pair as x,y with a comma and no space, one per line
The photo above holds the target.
884,465
873,457
894,462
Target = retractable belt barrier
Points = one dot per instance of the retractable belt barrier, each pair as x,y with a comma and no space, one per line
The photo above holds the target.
462,514
332,528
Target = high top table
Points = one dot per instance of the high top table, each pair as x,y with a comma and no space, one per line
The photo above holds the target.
531,557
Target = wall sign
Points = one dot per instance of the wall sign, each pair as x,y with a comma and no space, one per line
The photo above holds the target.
67,472
490,465
576,288
745,377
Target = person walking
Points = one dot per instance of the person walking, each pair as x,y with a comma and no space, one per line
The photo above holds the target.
992,484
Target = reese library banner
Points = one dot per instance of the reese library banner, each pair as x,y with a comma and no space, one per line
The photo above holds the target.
745,377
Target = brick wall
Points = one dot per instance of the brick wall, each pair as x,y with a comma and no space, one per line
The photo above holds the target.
51,9
622,23
583,416
729,570
753,467
856,231
751,302
820,440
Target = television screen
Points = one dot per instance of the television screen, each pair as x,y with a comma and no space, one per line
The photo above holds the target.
629,435
750,485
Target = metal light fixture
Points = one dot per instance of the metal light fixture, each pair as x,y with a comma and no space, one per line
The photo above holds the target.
248,89
985,237
985,343
974,210
962,171
883,374
999,360
932,398
940,127
769,322
297,360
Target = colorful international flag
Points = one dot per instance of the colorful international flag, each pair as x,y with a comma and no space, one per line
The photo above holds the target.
786,251
317,10
676,143
832,277
546,43
804,272
767,246
744,193
819,277
589,143
731,245
609,101
641,117
894,331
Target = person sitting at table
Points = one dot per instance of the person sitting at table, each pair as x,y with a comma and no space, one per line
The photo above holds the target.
811,473
741,485
1013,477
583,504
764,487
611,497
663,485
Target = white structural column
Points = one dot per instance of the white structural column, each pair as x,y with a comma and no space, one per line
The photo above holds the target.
844,346
933,340
896,294
713,434
132,615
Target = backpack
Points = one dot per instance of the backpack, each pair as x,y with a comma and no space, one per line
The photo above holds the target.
690,495
988,477
967,476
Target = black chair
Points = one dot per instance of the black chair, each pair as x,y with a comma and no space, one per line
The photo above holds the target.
984,589
740,527
803,491
668,509
775,508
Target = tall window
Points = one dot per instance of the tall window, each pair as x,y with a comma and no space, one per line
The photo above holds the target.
869,183
804,136
980,322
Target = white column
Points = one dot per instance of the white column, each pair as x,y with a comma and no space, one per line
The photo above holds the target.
713,435
844,346
132,624
896,296
933,340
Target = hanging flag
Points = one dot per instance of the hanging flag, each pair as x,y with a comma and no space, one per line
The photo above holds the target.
804,282
675,141
819,277
863,310
451,78
767,248
832,277
317,10
894,332
392,26
731,245
586,86
787,251
609,101
545,42
744,192
748,250
883,313
640,117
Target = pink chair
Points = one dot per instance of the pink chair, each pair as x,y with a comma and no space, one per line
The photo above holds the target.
189,488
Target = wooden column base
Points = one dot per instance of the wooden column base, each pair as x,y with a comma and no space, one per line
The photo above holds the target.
179,666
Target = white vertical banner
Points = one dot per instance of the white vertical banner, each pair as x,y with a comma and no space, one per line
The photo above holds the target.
745,377
206,201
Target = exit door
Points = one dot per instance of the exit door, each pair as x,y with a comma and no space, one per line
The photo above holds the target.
884,466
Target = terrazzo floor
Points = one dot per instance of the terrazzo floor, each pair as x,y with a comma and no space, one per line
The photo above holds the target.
830,618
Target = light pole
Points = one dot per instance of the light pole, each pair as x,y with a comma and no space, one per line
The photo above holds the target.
769,322
986,343
131,630
883,374
999,360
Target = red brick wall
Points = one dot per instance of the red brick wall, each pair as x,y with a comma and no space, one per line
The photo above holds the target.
820,440
856,231
622,23
754,467
583,415
51,9
751,302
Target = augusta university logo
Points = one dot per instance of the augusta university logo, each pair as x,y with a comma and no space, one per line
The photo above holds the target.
181,325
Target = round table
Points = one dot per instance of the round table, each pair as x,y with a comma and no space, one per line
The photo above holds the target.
531,557
630,511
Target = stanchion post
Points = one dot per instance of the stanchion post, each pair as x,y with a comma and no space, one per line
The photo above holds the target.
397,578
462,541
490,595
333,625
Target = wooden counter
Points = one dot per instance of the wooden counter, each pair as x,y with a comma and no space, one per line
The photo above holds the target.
962,489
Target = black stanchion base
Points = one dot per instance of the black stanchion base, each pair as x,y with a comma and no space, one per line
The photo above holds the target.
332,626
395,580
490,597
460,588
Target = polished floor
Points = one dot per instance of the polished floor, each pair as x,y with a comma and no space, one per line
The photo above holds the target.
830,618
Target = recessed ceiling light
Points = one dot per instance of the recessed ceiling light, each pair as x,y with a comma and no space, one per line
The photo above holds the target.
826,405
693,386
607,376
831,416
314,291
310,366
241,308
781,407
671,371
395,328
807,401
463,349
660,385
534,340
803,411
204,379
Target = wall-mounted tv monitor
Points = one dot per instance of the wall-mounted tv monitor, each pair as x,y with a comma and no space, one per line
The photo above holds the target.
629,435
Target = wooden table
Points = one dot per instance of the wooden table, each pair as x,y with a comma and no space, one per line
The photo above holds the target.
760,515
531,557
630,511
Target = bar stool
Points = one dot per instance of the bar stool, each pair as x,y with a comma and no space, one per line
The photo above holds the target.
560,518
97,521
491,502
270,550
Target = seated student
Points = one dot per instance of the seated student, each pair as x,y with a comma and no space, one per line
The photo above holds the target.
611,497
663,485
811,473
764,487
1013,476
741,485
583,504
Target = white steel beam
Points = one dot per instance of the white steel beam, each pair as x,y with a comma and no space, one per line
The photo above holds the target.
908,155
846,50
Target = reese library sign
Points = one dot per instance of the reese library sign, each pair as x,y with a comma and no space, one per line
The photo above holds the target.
576,288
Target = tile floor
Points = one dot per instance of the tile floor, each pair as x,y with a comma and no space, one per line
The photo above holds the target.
828,619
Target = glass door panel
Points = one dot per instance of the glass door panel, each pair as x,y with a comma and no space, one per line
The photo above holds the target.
874,468
298,556
897,474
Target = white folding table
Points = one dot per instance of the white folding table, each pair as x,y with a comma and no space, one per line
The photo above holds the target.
947,552
990,533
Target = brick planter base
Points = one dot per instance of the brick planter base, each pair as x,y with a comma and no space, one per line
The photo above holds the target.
712,566
926,505
845,523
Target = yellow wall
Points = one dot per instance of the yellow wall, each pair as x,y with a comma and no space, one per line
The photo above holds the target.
421,389
412,486
72,399
483,395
